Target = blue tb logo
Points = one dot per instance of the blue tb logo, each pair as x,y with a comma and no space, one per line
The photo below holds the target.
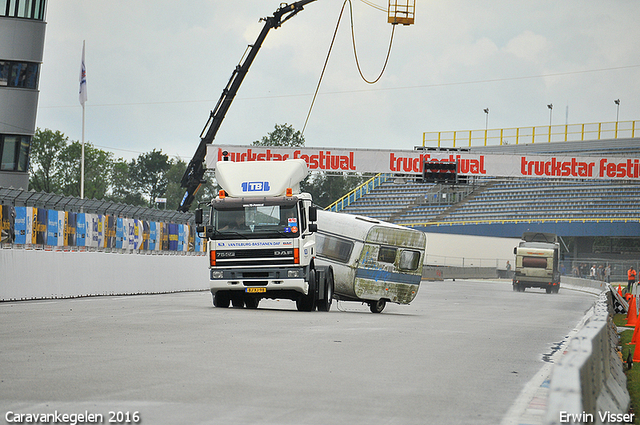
255,187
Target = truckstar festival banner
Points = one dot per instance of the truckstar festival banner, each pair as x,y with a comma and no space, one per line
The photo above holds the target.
411,162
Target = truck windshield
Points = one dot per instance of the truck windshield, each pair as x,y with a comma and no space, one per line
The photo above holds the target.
266,221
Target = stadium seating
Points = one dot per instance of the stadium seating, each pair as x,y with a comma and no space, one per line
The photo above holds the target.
490,199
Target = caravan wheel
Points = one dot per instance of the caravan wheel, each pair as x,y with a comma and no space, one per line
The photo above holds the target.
377,306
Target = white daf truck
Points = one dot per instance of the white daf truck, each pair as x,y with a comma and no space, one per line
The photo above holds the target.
264,241
261,237
537,262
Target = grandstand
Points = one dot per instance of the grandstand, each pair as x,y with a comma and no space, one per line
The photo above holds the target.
509,206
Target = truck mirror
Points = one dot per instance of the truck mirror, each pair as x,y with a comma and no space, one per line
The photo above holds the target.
313,214
313,227
198,214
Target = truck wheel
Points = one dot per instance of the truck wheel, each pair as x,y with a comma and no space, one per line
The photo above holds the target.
252,302
549,289
325,304
308,302
237,301
221,299
377,306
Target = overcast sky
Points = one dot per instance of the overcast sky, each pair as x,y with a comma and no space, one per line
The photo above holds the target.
156,68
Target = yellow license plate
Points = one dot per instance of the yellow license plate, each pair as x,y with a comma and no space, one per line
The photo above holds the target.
256,290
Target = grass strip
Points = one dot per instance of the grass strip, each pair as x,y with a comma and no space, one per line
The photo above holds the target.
633,373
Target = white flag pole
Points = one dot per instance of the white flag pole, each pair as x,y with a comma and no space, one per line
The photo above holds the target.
83,99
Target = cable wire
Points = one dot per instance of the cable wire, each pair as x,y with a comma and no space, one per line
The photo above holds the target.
375,6
326,61
355,53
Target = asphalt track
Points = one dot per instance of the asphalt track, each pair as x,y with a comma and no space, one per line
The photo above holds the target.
459,354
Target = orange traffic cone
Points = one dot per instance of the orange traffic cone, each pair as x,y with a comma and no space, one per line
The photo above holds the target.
620,290
636,354
636,334
632,315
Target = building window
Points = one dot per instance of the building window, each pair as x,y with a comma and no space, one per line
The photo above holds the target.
14,153
19,74
28,9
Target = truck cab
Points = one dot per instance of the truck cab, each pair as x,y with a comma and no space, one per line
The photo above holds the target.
260,236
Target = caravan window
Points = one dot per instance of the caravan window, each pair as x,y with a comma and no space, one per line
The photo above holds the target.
334,248
387,254
409,260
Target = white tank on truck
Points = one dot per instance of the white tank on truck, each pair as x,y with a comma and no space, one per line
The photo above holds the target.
537,262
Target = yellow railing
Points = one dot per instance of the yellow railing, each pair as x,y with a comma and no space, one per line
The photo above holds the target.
538,134
358,192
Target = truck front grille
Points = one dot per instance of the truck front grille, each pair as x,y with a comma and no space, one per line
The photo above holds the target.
255,257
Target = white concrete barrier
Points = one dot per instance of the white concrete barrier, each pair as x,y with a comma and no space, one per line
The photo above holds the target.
588,384
593,286
37,274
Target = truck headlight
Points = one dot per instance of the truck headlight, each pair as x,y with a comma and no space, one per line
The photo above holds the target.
293,273
217,274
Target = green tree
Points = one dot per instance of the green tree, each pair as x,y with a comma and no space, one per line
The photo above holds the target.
149,174
175,191
46,146
327,188
282,135
98,166
122,188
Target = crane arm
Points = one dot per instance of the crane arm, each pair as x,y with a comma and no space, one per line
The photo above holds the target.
193,176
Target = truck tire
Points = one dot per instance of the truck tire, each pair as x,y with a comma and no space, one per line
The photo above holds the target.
308,302
325,303
377,306
237,301
251,302
221,300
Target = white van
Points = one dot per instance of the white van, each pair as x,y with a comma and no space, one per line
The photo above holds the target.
373,261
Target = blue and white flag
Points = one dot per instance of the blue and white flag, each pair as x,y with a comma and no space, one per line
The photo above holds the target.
83,79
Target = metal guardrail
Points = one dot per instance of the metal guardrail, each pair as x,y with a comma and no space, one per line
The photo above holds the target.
23,198
358,192
536,134
528,221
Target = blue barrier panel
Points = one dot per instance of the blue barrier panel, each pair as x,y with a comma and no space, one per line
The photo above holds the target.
173,237
20,227
153,236
81,229
52,227
119,232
